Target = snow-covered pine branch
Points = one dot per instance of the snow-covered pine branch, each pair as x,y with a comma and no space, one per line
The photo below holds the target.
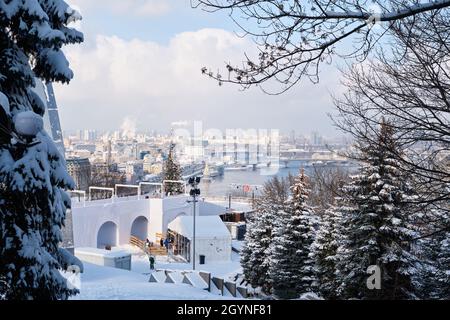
256,253
291,270
378,226
365,15
33,202
414,95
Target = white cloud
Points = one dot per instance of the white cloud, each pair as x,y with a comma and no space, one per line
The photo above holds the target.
158,84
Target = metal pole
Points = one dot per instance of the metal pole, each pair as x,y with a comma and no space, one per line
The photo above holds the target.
193,182
193,258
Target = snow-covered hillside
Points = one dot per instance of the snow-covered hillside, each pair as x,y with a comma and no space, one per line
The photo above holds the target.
104,283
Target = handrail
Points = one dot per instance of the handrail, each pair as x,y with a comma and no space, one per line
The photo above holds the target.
101,189
128,186
152,184
182,182
138,187
80,192
234,199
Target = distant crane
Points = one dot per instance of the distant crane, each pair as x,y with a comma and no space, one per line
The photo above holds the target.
51,118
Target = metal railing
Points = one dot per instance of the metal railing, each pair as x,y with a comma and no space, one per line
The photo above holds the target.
112,190
233,199
161,185
80,192
127,186
88,196
182,182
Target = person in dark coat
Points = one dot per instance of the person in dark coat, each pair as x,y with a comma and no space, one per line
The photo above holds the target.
161,242
166,243
151,259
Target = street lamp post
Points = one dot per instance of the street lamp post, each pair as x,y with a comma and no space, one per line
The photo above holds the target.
195,191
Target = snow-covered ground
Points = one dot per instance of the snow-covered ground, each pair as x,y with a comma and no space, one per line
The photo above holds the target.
238,245
104,283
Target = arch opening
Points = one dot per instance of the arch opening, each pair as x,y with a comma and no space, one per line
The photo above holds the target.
107,235
139,228
182,214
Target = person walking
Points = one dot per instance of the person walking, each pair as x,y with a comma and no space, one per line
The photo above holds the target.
166,244
151,259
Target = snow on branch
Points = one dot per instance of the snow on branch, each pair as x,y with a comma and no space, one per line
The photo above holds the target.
295,37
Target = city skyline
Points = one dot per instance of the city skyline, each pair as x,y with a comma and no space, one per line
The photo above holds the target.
128,127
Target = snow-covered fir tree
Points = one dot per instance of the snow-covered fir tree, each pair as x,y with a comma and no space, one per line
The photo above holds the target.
291,265
429,249
325,248
378,225
172,172
443,263
428,277
33,201
255,255
255,252
435,271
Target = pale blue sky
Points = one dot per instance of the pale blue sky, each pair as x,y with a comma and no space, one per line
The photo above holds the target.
159,27
141,62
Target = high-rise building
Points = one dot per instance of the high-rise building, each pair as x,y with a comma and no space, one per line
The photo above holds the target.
80,135
80,171
293,137
90,135
316,138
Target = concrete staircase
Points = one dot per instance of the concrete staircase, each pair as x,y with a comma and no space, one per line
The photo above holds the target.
201,280
158,251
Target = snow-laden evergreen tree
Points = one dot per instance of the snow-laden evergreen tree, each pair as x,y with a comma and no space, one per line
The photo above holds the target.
172,172
430,249
434,278
443,263
378,225
255,255
428,278
435,252
325,248
33,201
291,265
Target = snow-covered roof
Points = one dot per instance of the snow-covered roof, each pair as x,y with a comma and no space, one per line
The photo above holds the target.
101,252
236,206
207,227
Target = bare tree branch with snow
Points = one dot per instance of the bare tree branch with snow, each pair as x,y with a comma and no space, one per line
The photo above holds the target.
410,85
295,37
